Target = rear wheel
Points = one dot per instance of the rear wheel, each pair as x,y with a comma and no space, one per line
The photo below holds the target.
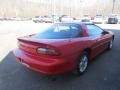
82,63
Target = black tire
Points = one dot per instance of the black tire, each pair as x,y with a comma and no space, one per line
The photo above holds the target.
35,21
110,45
82,63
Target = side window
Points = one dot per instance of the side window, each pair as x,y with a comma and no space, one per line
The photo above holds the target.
75,30
94,30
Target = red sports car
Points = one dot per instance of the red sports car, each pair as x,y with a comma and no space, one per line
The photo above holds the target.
63,47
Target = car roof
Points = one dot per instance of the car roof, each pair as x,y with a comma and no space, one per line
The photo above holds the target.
86,23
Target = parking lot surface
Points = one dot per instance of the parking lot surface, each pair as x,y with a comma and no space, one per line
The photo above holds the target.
102,74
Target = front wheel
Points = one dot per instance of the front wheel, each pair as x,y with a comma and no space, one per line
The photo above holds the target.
82,63
110,45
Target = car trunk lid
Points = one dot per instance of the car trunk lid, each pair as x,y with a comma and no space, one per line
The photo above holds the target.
31,44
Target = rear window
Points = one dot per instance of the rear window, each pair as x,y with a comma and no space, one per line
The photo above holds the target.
60,31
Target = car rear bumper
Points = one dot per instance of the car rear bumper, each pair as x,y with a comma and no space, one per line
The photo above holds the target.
44,65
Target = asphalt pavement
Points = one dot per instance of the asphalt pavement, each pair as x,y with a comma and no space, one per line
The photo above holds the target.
102,74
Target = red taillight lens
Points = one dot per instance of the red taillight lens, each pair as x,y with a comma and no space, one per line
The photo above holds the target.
47,51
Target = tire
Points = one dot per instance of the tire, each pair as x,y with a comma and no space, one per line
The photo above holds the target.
82,63
35,21
110,45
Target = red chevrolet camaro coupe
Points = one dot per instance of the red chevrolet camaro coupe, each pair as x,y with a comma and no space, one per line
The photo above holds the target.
63,47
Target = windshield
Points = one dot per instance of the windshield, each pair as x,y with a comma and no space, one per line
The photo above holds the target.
60,31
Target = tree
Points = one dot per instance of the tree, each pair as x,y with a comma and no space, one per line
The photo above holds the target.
113,6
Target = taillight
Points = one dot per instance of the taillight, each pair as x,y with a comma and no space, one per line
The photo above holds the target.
47,51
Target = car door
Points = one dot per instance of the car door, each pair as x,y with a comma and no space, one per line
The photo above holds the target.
101,40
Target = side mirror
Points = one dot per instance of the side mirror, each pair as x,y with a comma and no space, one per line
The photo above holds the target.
105,32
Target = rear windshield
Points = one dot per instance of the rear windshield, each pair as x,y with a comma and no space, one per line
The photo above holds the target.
60,31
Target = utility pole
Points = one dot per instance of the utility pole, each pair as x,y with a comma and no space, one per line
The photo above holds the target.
113,6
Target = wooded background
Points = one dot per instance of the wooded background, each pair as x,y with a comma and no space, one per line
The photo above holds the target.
31,8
